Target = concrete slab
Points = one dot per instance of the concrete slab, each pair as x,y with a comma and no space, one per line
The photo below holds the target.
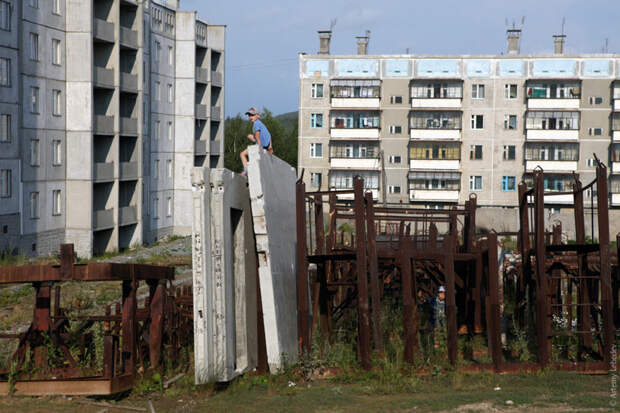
272,195
224,276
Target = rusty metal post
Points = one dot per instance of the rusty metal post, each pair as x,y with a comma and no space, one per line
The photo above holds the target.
362,273
108,348
41,322
448,267
583,311
66,261
129,325
432,236
156,329
542,318
556,283
493,309
373,272
302,271
408,302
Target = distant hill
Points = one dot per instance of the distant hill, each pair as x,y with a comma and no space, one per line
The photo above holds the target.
288,121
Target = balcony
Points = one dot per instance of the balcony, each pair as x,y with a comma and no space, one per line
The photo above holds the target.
217,79
103,219
440,103
433,195
129,82
103,77
552,134
354,163
356,103
551,166
202,75
355,133
436,134
216,113
129,126
435,164
553,95
201,112
215,147
102,30
546,103
559,199
129,38
128,171
615,167
200,147
103,171
103,125
355,93
349,197
127,215
617,105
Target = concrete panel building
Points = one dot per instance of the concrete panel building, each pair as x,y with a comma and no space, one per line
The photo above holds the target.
431,130
99,125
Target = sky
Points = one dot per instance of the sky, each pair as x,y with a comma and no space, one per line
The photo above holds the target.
263,39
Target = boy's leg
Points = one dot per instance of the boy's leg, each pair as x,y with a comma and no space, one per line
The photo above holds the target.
244,160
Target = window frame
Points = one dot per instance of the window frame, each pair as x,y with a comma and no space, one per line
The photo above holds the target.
506,181
314,90
313,179
506,153
34,205
6,126
5,183
477,91
56,152
474,122
35,96
33,39
35,152
508,89
313,150
56,202
5,62
473,179
316,121
56,52
6,15
475,152
56,102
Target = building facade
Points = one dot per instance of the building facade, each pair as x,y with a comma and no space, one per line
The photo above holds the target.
105,105
434,130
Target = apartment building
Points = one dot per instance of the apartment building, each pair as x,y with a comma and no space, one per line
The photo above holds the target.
432,131
105,105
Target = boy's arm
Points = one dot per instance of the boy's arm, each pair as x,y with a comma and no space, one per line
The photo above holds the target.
258,137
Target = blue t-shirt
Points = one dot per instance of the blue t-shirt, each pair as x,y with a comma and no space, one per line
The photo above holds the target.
265,136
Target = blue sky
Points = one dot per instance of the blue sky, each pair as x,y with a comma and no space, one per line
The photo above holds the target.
264,38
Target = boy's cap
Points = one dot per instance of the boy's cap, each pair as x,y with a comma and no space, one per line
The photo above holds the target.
442,289
252,112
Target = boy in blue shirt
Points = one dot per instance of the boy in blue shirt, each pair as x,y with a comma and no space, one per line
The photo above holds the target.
261,136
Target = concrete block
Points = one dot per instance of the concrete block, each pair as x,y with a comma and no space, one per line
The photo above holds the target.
224,276
272,195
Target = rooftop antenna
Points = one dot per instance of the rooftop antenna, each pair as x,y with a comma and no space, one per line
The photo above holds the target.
332,24
563,23
605,48
514,35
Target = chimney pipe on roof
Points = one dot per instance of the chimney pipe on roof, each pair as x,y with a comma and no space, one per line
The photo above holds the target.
558,43
514,36
362,43
324,40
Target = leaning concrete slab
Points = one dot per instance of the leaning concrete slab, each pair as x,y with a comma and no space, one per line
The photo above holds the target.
224,276
272,194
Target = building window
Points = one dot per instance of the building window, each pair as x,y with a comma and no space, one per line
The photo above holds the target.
475,183
169,206
596,100
394,189
316,150
315,179
510,122
477,91
156,169
57,102
35,154
475,152
317,90
595,131
157,90
396,130
396,100
34,205
170,55
156,51
169,168
477,121
34,46
56,202
510,91
33,3
56,152
5,128
170,93
5,15
509,183
56,6
56,52
156,208
316,120
5,71
590,162
395,159
169,131
5,183
509,152
34,95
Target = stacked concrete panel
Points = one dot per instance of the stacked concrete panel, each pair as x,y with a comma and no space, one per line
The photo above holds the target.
224,267
272,194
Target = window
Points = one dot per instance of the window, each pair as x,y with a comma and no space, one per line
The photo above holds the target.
169,168
156,208
424,90
475,152
396,100
344,88
432,151
509,183
596,100
5,183
169,131
157,90
475,183
316,179
156,131
56,152
34,95
362,150
156,51
35,154
5,71
34,46
552,120
56,52
596,131
396,130
33,3
477,121
316,150
509,152
355,120
156,169
316,120
56,202
395,159
170,93
510,91
510,122
590,162
56,101
317,90
477,91
34,205
394,189
5,128
170,55
169,206
56,6
5,15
